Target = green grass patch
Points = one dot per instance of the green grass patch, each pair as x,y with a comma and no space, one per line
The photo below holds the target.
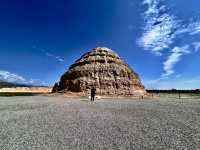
10,94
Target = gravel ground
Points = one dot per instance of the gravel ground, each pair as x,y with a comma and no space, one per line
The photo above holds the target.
56,123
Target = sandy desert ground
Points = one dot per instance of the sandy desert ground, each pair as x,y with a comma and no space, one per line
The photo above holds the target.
58,123
27,89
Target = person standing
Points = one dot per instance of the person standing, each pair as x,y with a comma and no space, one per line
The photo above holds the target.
93,93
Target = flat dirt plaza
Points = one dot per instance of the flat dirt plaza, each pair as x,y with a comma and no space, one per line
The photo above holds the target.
56,123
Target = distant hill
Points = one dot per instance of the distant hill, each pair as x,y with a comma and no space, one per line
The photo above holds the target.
4,84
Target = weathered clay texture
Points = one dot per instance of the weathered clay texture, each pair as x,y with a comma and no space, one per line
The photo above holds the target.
103,69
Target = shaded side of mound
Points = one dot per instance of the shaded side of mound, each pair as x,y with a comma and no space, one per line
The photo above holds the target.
104,70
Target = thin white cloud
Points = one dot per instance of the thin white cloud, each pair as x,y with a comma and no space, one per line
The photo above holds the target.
159,28
194,28
173,59
196,46
162,28
11,77
48,54
58,58
191,29
178,76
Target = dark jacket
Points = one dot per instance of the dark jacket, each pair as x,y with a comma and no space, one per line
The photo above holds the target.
93,91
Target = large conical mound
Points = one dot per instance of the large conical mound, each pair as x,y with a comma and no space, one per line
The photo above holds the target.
103,69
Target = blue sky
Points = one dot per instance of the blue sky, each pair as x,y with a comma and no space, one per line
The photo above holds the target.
159,39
